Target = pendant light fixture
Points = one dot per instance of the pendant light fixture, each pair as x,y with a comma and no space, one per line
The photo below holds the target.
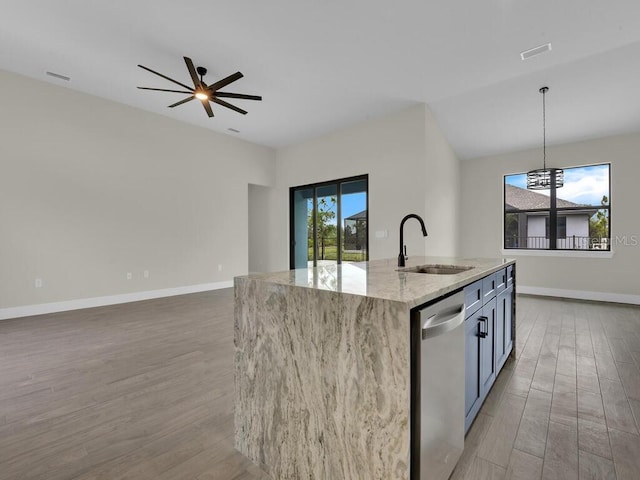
541,178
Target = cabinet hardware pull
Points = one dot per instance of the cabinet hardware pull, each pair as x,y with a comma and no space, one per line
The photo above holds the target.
483,334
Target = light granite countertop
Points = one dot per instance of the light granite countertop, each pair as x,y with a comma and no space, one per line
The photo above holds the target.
381,279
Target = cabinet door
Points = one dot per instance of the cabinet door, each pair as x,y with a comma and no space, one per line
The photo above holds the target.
503,326
487,347
472,368
508,322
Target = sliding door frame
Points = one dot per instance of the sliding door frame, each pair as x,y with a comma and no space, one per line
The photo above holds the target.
338,183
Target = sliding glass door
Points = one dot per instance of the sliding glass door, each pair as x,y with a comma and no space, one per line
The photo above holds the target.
329,222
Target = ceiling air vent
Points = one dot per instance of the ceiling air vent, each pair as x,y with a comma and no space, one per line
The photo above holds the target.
532,52
58,76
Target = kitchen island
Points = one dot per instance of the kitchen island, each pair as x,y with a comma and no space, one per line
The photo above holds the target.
323,365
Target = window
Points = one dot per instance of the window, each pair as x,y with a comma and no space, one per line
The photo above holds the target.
575,216
329,222
562,227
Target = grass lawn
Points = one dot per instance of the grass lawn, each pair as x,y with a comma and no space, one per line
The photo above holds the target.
331,253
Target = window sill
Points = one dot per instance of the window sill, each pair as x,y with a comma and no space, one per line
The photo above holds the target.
512,252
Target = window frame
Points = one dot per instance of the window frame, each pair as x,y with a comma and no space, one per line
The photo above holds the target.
553,213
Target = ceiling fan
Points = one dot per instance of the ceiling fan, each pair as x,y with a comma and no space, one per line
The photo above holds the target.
203,92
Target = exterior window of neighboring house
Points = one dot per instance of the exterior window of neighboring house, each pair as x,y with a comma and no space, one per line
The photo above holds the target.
562,227
329,222
579,212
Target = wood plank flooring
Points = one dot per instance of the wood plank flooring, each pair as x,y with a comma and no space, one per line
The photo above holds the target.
136,391
145,391
568,407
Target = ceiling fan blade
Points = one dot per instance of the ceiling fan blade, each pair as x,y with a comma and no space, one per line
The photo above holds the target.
165,77
207,107
192,72
165,90
225,81
228,105
237,95
188,99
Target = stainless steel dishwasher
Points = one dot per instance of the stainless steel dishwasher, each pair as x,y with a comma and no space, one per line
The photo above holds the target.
438,363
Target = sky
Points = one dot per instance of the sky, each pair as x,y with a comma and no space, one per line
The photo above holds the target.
351,203
582,185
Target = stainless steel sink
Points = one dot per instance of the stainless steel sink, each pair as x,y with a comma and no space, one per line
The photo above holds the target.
437,269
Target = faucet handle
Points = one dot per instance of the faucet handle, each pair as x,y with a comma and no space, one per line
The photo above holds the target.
405,253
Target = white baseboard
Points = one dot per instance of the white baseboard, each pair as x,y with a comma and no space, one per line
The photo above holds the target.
581,294
43,308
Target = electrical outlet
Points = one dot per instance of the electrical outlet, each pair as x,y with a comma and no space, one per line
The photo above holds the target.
145,274
219,267
38,283
129,275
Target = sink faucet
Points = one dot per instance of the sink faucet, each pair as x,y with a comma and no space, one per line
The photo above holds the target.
401,256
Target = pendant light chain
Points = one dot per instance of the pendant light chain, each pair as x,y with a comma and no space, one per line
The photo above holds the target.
541,179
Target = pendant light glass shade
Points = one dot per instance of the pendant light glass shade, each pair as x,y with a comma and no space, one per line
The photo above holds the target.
541,178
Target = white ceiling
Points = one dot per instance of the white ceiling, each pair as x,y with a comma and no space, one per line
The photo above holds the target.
324,64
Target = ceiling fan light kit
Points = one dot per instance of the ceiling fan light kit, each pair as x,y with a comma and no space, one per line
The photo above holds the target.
543,178
203,92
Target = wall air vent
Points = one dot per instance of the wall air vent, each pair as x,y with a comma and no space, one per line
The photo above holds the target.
58,76
532,52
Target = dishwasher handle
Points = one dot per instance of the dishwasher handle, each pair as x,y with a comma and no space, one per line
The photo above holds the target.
443,322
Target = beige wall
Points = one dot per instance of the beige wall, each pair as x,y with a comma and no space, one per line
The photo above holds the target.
91,189
482,217
442,190
411,169
259,224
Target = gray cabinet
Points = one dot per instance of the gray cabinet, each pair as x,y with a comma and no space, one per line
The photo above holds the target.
503,336
487,347
472,298
489,287
488,335
473,342
501,279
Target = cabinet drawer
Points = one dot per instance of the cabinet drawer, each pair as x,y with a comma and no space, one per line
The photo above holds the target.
501,280
472,297
510,275
489,288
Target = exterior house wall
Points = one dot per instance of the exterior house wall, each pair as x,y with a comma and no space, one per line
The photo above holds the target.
577,225
536,232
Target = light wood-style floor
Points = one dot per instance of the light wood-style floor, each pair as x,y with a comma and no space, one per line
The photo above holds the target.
145,391
136,391
569,406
